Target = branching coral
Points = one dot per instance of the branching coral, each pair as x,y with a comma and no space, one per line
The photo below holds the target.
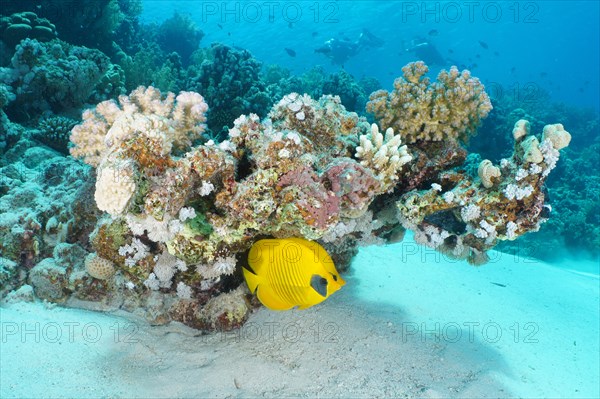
55,132
230,80
449,109
383,155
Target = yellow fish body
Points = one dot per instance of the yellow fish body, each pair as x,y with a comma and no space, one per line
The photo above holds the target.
291,272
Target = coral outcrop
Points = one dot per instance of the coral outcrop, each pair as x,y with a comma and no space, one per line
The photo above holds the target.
230,80
182,209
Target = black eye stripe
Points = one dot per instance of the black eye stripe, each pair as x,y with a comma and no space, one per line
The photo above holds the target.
319,284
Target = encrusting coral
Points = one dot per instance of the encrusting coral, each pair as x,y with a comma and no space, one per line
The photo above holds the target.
465,219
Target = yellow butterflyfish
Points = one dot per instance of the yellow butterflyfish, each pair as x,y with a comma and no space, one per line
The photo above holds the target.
290,272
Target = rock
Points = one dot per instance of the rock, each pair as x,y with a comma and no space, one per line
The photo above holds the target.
8,275
23,294
226,311
49,280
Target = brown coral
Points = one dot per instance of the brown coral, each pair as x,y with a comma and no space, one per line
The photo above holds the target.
449,109
98,267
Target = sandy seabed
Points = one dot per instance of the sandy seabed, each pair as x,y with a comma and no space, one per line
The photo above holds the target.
409,323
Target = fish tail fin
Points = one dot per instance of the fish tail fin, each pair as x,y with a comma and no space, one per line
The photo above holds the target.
251,279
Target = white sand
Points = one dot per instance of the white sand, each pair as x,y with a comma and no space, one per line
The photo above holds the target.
392,331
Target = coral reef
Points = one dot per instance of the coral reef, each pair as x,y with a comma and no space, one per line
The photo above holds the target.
181,209
179,34
310,169
150,65
573,196
58,77
90,23
316,83
8,276
19,26
464,217
37,187
342,84
55,132
292,174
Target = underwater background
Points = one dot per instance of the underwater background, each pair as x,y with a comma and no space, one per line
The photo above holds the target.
146,146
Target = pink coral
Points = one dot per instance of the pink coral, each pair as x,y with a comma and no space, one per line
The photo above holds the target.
353,184
303,189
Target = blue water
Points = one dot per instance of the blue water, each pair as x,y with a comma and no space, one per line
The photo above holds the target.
391,321
552,45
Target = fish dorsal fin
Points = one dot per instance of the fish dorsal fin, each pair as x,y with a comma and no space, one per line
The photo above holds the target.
319,284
